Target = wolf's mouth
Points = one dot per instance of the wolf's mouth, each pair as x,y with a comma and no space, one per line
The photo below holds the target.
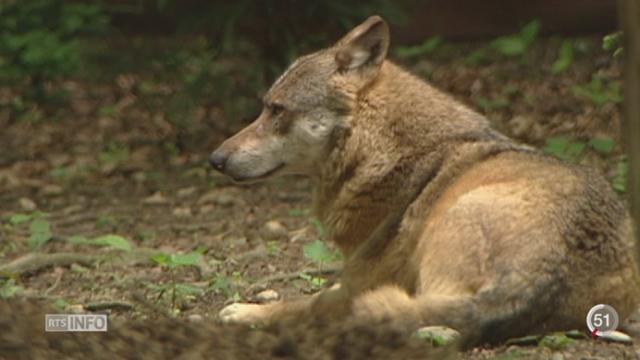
263,176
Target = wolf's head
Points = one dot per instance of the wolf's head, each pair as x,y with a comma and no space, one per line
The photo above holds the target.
303,108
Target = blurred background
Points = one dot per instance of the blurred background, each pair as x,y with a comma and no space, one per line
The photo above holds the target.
109,109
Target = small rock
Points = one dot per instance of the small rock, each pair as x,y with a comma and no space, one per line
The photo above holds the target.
217,197
195,317
557,356
438,335
268,295
27,204
616,336
51,190
274,230
72,209
182,212
186,192
207,209
155,199
75,309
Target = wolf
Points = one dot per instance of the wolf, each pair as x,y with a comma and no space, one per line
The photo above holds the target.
441,219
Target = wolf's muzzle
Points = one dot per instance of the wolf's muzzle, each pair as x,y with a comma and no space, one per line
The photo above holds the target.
218,159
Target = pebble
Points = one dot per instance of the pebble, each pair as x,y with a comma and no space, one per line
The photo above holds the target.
186,192
182,212
217,197
268,295
27,204
155,199
76,309
274,230
195,317
51,190
617,336
557,356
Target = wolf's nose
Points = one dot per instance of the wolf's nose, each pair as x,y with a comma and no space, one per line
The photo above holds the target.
218,159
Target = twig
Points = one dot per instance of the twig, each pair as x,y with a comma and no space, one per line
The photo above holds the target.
35,261
105,305
295,275
54,286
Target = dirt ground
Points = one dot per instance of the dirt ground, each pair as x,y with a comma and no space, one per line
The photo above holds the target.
103,166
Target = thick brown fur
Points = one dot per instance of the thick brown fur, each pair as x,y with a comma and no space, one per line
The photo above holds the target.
441,220
22,337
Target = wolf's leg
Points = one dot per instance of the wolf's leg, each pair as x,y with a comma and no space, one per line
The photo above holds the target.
333,302
509,307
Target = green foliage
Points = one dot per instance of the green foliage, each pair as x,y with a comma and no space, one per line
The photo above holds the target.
570,150
619,181
517,44
415,51
114,241
557,341
174,260
602,145
273,248
613,42
319,253
226,285
565,58
600,91
39,38
316,282
39,228
299,27
9,288
177,289
495,103
39,233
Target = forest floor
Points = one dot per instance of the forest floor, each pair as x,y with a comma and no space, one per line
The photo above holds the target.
150,231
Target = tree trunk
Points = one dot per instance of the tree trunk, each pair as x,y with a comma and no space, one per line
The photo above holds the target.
630,21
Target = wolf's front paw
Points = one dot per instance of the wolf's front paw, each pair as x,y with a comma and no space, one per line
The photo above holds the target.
239,313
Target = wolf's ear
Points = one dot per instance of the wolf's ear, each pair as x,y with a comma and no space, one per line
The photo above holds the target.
365,45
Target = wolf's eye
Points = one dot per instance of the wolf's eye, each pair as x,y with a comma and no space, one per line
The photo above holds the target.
276,109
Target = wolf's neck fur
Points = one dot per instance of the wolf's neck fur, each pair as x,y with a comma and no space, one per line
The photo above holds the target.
404,140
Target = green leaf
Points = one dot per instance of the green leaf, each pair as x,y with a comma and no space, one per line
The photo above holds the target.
190,259
19,218
39,233
114,241
38,239
530,31
565,149
565,58
619,182
188,289
78,239
428,46
611,41
39,225
318,252
555,341
510,45
160,259
603,145
9,289
517,44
